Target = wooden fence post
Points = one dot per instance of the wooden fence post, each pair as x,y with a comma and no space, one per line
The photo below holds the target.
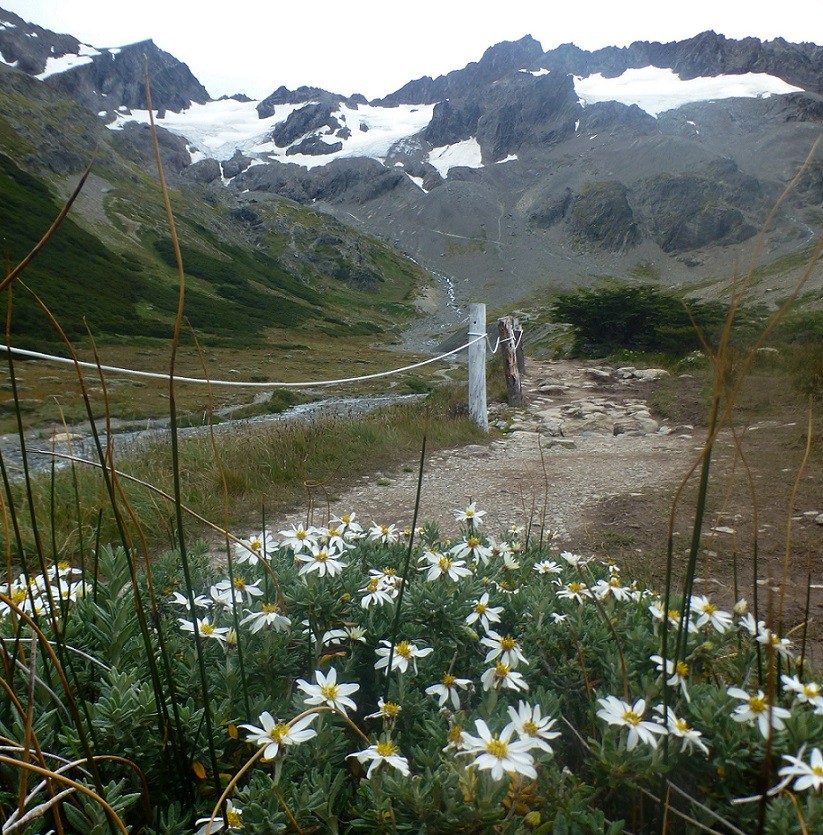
505,327
519,353
477,366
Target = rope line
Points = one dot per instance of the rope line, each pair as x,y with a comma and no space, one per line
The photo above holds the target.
236,383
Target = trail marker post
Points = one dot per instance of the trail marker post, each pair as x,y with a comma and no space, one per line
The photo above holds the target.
478,411
505,327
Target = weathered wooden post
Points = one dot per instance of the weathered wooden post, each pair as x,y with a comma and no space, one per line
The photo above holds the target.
505,327
519,353
477,366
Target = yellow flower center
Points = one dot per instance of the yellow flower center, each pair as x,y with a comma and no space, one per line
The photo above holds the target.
63,565
811,691
448,679
575,587
240,583
390,709
322,556
278,731
384,530
235,818
404,648
682,668
501,671
386,749
334,531
455,734
206,628
480,608
757,704
709,608
674,614
389,572
445,563
631,717
18,596
682,725
256,544
345,518
817,770
270,608
301,534
329,691
473,541
373,584
614,582
530,728
508,643
497,748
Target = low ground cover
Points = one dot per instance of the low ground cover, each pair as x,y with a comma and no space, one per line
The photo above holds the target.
528,689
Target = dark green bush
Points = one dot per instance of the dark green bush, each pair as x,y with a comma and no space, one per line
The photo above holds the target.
642,318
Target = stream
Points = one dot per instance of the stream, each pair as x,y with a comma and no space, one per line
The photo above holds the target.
81,443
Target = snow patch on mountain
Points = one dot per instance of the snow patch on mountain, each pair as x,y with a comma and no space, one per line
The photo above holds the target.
54,66
656,90
219,128
466,154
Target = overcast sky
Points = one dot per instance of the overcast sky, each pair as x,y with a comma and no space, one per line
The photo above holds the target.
373,46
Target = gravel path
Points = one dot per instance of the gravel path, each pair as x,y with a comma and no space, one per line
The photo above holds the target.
559,459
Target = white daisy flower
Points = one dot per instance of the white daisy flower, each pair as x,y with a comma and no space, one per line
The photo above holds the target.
440,566
575,590
501,675
259,546
470,515
298,538
757,710
383,752
273,736
405,653
547,567
678,673
709,614
377,592
268,616
387,711
321,559
328,692
483,612
679,728
532,727
447,689
498,754
804,692
617,712
472,548
383,533
504,647
238,589
805,775
206,629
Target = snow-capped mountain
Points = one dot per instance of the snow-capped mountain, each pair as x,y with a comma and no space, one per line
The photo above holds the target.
525,168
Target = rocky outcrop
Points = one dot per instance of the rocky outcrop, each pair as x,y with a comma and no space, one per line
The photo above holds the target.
690,211
602,215
314,146
115,78
135,143
310,118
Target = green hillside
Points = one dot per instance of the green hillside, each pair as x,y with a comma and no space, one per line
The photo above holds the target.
254,267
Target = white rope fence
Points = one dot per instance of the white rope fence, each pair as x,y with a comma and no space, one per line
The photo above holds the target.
20,352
